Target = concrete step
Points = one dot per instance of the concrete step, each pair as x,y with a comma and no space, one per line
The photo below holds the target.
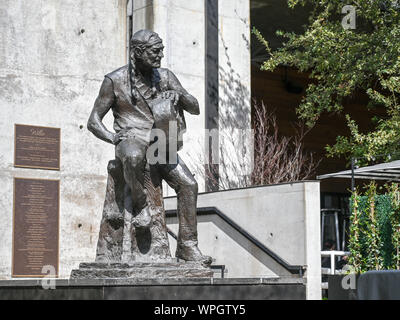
156,289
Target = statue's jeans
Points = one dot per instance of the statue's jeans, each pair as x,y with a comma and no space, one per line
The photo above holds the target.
132,154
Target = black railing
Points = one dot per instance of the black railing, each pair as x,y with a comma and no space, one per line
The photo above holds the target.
294,269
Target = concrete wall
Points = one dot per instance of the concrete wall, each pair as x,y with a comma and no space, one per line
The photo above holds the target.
285,218
53,57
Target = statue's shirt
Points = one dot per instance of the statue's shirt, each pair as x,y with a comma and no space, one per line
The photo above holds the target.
136,114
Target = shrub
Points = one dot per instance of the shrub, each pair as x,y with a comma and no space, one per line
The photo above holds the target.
375,229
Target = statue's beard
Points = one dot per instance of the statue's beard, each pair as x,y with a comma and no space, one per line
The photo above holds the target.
143,65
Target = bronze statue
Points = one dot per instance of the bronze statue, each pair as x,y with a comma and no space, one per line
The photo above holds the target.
142,97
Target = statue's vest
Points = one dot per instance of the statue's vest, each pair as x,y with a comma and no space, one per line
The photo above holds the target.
138,115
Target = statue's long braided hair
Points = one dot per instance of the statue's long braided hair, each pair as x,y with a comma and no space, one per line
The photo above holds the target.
141,40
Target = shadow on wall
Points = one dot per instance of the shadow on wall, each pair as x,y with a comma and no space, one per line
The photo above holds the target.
235,135
247,156
233,142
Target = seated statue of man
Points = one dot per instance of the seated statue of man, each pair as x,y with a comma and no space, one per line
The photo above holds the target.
129,91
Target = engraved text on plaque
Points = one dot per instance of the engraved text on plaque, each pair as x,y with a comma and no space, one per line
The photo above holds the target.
36,226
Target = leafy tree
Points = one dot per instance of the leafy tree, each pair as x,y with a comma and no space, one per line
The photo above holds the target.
345,61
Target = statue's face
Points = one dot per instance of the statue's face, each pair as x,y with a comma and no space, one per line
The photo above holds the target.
151,56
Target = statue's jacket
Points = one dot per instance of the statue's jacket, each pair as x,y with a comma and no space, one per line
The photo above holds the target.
135,113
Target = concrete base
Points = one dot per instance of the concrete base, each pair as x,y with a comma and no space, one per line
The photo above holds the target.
152,289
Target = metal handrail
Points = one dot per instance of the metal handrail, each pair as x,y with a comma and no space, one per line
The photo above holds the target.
294,269
221,267
333,254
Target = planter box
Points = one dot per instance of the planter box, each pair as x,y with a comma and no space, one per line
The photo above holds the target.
371,285
336,290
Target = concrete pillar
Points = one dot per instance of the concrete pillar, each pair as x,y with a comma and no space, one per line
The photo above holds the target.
234,93
142,14
312,217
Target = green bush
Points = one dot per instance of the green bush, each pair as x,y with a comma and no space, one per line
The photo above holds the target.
374,229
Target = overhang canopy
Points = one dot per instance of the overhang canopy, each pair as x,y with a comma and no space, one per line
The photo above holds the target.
384,171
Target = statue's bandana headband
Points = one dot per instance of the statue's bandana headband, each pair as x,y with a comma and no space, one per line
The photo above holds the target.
153,41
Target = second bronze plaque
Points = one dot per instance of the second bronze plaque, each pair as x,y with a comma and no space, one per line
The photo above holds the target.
36,226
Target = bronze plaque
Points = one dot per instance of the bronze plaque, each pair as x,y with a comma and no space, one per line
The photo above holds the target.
37,147
36,226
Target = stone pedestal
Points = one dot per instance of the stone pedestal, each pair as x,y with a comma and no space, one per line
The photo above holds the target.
119,240
141,270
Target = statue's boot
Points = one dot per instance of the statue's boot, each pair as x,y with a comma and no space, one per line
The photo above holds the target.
143,219
190,252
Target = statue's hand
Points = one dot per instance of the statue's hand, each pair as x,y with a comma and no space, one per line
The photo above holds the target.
172,95
118,137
